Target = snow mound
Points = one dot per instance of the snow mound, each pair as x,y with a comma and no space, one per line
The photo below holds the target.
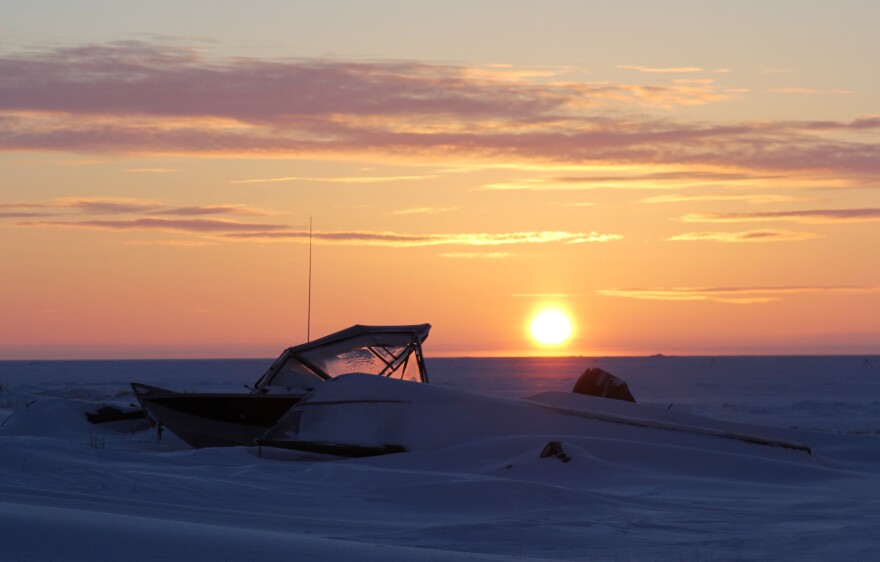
61,419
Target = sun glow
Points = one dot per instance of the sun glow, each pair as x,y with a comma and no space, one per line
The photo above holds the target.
550,327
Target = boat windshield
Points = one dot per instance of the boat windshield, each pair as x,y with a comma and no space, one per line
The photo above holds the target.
292,374
386,351
365,354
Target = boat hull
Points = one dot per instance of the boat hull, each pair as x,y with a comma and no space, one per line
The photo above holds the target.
214,419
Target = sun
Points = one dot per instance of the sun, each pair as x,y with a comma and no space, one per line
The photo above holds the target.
551,327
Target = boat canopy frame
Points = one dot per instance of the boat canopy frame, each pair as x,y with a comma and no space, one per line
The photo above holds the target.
393,346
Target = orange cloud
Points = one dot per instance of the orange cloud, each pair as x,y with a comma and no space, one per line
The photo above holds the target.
151,170
477,255
734,295
347,179
667,70
261,232
751,198
745,236
424,210
655,180
801,91
400,240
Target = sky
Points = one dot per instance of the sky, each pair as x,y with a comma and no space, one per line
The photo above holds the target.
683,177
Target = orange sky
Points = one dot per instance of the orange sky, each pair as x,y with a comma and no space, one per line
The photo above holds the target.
669,189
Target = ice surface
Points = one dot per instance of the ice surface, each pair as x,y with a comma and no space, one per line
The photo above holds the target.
474,487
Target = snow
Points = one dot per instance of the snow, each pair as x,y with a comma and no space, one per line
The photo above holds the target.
645,481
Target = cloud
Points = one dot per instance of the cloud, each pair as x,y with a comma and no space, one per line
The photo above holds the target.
140,78
346,179
668,70
116,206
751,198
188,243
814,216
400,240
162,224
214,210
801,91
810,91
477,255
734,295
151,170
656,180
745,236
215,228
98,206
21,214
147,98
424,210
546,295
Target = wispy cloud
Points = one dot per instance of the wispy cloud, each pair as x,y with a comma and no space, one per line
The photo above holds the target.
162,224
813,216
424,210
85,205
477,255
107,206
146,98
810,91
678,179
399,240
118,206
215,210
184,243
21,214
800,91
734,295
151,170
751,198
344,179
664,70
749,236
546,295
214,229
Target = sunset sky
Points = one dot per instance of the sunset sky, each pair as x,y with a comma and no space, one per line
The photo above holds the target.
678,177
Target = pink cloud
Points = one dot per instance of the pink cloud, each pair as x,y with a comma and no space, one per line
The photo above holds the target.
216,229
804,216
116,206
162,224
176,100
131,78
748,236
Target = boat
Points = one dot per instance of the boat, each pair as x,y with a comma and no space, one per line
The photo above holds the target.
357,415
230,419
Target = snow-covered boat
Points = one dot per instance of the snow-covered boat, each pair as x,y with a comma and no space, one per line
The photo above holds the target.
357,415
226,419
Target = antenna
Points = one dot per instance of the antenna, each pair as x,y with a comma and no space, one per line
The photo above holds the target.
309,308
